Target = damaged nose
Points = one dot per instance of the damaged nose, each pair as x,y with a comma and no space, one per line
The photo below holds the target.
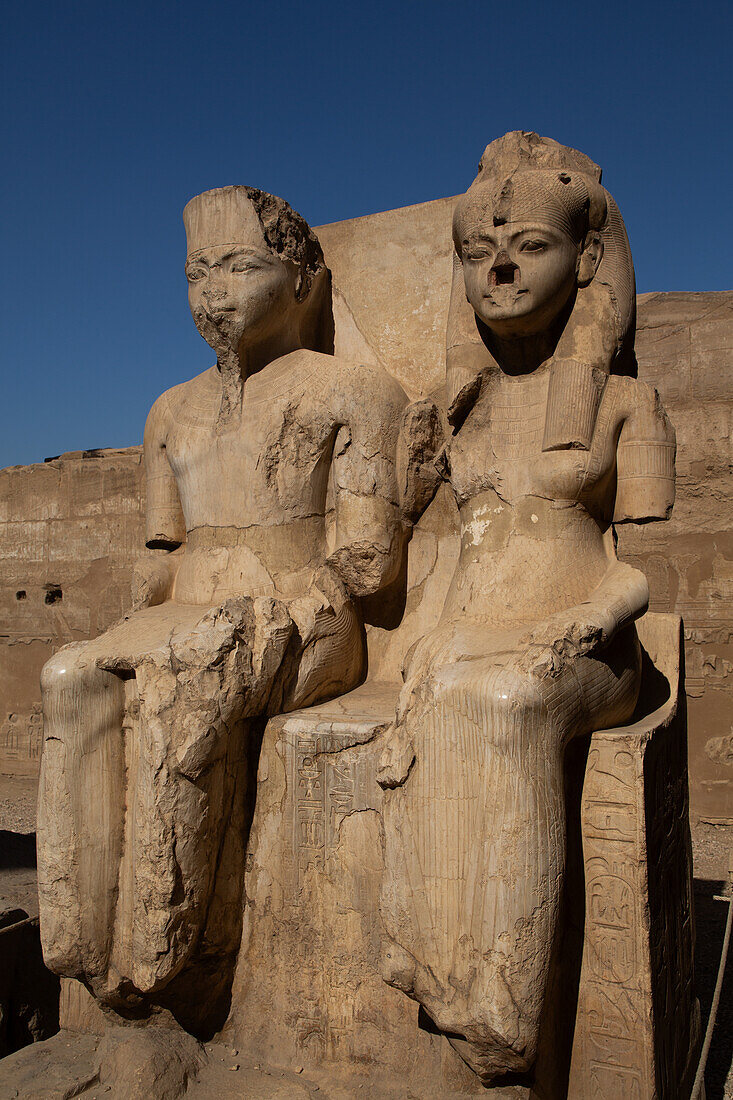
503,270
213,293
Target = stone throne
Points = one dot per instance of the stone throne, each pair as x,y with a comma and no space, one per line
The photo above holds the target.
622,1020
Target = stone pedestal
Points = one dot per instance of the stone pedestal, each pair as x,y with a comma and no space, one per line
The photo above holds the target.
308,990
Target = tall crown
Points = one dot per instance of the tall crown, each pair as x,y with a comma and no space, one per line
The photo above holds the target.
225,215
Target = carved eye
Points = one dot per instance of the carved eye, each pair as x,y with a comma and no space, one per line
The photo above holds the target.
533,246
243,265
476,254
194,274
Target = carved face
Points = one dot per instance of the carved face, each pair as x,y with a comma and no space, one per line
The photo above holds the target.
240,294
520,275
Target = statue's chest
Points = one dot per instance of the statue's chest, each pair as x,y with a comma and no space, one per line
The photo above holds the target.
505,429
273,459
515,420
500,447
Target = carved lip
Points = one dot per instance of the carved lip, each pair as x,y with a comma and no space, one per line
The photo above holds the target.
214,313
505,290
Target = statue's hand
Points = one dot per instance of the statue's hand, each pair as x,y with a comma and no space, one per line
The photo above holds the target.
573,633
396,760
152,579
316,611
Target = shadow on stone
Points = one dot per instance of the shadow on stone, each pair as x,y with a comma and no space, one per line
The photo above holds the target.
29,993
17,850
710,918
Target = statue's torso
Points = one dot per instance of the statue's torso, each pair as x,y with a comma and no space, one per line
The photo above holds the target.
253,491
534,523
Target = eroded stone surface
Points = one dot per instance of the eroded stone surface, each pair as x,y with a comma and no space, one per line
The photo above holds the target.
177,694
307,992
271,510
551,443
102,495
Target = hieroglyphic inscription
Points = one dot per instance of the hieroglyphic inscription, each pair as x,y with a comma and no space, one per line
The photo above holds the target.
609,1082
613,1048
21,736
308,819
329,777
323,783
611,922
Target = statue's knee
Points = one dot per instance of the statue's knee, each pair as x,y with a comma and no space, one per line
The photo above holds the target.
62,668
80,701
516,693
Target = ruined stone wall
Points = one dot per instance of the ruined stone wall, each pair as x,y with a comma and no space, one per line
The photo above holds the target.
76,522
70,529
685,348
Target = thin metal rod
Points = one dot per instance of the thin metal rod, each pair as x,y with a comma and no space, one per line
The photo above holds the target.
700,1075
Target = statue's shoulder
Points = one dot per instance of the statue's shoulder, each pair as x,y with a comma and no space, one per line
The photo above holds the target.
205,387
635,396
363,385
336,381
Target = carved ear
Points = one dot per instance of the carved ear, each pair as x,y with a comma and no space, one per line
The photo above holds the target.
590,257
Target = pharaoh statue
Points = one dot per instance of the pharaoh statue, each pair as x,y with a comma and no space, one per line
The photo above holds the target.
271,511
553,441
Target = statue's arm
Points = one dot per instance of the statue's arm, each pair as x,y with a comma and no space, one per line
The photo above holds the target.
620,599
420,457
645,483
366,405
369,534
165,529
645,450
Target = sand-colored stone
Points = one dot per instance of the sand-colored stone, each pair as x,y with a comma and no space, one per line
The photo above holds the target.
637,1025
196,656
70,532
552,442
271,510
87,508
686,560
313,882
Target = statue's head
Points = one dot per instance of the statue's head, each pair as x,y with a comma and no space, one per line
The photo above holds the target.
540,247
255,269
526,246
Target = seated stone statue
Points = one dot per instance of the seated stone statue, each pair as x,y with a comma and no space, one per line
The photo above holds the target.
553,440
271,510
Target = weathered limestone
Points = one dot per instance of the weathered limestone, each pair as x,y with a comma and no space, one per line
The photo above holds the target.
77,522
551,443
637,1027
312,890
308,989
438,850
271,511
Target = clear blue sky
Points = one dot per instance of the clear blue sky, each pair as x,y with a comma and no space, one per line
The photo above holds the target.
114,115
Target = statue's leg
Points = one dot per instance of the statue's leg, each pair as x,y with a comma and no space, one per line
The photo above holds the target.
80,811
475,844
196,698
478,835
